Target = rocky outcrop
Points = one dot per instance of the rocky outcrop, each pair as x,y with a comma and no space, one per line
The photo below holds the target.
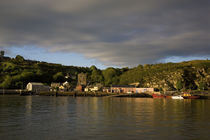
187,78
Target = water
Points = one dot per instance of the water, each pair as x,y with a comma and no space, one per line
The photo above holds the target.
52,118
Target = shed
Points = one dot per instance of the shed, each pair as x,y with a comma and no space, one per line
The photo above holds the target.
37,87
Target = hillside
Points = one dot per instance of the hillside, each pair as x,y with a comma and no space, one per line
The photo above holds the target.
17,72
194,75
171,76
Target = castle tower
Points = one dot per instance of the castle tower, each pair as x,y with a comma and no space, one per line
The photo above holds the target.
82,79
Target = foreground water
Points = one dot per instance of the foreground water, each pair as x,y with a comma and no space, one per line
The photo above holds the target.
49,118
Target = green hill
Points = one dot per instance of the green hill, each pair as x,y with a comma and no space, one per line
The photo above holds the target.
17,72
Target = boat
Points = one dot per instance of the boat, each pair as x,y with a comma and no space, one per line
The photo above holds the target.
190,96
158,96
177,97
168,96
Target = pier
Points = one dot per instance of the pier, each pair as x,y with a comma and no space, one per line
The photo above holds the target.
14,92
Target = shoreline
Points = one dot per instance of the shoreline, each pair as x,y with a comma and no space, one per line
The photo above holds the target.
204,94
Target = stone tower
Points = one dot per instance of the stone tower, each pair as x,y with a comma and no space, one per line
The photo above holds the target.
82,79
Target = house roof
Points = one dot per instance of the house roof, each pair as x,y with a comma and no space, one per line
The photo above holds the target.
55,84
38,84
65,83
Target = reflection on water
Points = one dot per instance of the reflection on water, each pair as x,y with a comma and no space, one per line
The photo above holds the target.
34,117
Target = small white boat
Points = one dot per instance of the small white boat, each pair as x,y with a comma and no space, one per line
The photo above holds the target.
177,97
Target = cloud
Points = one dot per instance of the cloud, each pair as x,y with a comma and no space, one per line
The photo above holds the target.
119,32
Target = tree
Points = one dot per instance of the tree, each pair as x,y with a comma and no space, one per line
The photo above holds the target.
96,75
202,86
111,76
133,75
19,59
179,85
58,77
20,80
7,82
19,84
8,67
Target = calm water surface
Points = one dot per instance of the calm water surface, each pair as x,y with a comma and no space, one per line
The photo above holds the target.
50,118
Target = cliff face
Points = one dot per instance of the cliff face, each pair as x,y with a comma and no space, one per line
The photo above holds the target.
194,75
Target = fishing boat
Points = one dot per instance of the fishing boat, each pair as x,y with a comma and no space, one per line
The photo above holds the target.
177,97
158,96
168,96
190,96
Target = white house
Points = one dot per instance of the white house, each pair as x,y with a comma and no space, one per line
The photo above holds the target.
37,87
92,89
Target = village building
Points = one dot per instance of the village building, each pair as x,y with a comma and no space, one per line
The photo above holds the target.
106,89
130,89
55,86
80,88
87,89
60,87
142,90
67,86
123,89
37,87
94,88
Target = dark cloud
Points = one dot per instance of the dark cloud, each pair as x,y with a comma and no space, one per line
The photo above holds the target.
118,32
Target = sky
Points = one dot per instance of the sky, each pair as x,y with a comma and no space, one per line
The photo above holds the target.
106,33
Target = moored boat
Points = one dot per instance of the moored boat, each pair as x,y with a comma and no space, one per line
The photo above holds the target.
168,96
190,96
158,96
177,97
